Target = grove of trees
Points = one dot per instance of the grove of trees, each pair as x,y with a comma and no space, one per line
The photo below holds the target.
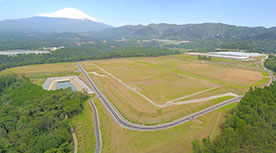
271,63
249,128
33,120
203,57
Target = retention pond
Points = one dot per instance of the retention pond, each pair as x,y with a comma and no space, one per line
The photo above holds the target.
65,84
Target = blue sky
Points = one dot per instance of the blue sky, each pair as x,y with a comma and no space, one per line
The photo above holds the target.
121,12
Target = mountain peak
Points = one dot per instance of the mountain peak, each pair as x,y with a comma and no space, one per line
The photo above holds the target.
70,13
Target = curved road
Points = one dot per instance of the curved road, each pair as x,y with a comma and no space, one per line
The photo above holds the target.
97,127
119,119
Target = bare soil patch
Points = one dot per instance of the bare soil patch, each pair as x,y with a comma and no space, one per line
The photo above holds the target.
197,121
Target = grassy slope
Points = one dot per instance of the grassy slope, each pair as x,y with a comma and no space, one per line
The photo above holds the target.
177,139
84,127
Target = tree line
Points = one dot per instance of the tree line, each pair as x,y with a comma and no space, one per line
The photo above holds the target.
79,54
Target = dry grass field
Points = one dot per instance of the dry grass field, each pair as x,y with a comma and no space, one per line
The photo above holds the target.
39,73
44,68
167,78
163,74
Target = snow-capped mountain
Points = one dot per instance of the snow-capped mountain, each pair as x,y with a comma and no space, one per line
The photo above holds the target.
69,13
65,20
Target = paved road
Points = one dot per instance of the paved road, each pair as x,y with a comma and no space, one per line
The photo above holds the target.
97,127
204,99
191,95
272,77
120,120
138,127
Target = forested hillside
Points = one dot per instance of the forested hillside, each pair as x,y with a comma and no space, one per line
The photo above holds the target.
206,36
189,32
34,120
249,128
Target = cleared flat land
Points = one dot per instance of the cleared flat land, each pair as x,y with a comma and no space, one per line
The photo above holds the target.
169,78
166,78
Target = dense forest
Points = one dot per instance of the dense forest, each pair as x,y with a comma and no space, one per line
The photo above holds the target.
33,120
271,63
82,53
204,37
249,128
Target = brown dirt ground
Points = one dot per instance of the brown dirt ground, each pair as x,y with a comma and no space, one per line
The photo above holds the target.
197,121
239,76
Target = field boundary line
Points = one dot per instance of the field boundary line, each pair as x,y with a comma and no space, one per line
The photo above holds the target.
194,94
205,99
